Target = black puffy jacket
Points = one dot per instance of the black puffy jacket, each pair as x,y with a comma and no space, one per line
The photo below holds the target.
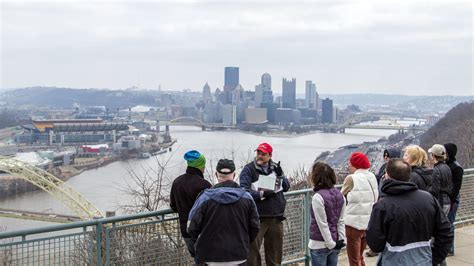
422,176
184,192
442,184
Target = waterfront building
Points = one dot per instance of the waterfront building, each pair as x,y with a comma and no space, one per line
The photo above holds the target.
256,115
229,114
271,110
287,115
213,113
71,131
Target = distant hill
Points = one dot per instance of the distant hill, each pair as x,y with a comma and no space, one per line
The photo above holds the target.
66,97
457,126
394,100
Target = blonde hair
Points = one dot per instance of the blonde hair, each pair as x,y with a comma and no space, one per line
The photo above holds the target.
418,156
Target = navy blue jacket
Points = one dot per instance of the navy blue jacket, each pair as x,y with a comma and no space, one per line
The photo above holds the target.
273,206
223,222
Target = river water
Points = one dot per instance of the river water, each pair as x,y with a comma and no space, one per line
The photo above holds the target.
104,186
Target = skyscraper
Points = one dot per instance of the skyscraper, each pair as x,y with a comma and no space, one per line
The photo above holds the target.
267,80
231,80
289,93
206,93
310,95
327,113
263,91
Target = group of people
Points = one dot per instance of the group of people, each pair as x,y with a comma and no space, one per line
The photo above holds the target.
405,213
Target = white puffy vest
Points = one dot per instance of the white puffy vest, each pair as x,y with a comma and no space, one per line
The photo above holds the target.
361,199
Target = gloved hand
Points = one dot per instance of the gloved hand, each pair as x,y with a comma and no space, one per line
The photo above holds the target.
278,170
339,244
268,193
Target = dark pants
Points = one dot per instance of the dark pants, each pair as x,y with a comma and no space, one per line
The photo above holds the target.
356,244
190,245
271,234
452,218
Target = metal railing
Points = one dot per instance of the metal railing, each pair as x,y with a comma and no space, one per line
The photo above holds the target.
153,238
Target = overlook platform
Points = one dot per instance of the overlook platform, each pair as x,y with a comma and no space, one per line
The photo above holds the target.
153,238
464,246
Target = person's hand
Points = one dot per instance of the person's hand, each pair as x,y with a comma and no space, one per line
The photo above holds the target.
268,193
339,244
278,170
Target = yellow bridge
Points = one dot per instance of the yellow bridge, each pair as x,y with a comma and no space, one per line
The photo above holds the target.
77,203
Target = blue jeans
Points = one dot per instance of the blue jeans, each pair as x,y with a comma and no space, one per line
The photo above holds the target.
324,257
452,218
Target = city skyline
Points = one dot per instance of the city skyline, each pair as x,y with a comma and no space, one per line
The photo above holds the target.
394,47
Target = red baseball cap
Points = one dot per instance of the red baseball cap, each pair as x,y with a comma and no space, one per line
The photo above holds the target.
265,148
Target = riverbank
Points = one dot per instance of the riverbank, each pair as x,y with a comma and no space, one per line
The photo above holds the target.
11,186
374,151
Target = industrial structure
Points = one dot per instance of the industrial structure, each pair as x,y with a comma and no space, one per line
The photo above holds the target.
70,131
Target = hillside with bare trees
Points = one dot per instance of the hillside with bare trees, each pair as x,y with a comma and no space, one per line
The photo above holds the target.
457,126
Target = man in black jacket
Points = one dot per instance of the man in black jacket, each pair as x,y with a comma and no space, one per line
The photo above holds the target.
403,222
185,189
224,220
457,172
442,183
388,154
270,204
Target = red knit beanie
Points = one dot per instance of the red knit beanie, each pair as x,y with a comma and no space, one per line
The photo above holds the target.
360,160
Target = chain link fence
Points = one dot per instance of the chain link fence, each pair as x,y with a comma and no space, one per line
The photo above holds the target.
154,238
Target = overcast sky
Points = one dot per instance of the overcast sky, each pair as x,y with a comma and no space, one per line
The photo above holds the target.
401,46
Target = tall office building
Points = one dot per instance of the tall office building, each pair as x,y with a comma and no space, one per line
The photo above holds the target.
206,93
327,113
231,80
267,81
231,77
289,93
310,95
263,91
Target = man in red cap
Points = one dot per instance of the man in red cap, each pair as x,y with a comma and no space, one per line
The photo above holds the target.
361,191
265,181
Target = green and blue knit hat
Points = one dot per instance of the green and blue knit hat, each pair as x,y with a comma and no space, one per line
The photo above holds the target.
195,159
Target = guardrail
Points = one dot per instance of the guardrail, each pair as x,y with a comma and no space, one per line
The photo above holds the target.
154,237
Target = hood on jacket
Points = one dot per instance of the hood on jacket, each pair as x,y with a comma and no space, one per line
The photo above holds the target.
395,187
422,171
224,195
451,150
393,153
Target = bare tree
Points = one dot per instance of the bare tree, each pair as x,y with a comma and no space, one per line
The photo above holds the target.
149,190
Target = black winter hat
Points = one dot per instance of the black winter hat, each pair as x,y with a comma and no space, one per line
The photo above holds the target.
451,150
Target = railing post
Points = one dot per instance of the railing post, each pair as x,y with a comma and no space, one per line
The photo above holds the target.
107,246
307,206
98,231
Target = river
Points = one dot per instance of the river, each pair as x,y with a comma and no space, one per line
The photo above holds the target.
103,186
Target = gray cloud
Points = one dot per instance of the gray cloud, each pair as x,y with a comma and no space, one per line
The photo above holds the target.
345,46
